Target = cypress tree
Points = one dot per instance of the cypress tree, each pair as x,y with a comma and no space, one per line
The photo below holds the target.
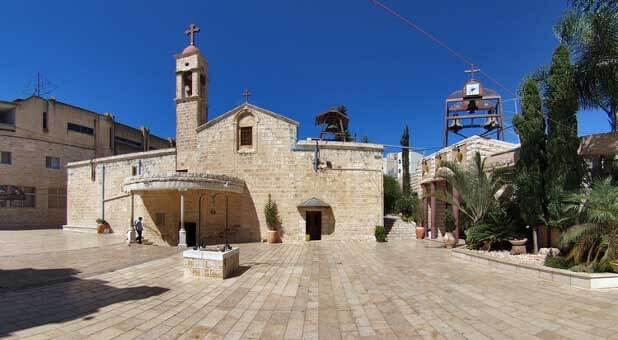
532,162
566,168
405,162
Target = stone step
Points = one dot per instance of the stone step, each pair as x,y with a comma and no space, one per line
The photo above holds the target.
397,229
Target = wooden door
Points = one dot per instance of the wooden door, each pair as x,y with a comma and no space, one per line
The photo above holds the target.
314,225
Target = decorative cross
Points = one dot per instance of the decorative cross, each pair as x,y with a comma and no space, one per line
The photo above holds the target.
246,94
472,71
191,32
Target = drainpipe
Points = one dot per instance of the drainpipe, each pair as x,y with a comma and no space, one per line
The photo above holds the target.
103,192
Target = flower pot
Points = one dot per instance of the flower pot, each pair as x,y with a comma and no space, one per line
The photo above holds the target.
518,246
449,240
420,233
101,228
273,236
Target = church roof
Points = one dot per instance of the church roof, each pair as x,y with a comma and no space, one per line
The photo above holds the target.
243,107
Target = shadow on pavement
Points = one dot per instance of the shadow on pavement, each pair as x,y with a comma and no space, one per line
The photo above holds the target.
71,300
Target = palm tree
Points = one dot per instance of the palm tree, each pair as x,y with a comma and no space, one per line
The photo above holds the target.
590,30
476,188
593,240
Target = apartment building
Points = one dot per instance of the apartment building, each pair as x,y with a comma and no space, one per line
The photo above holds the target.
38,137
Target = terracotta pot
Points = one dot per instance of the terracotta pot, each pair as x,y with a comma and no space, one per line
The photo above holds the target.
449,239
101,228
420,233
272,236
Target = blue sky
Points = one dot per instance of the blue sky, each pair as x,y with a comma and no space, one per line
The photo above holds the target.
298,58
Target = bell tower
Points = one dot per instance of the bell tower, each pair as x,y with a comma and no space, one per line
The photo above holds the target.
191,101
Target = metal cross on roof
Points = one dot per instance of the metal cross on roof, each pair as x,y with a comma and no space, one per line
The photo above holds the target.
472,71
246,94
191,32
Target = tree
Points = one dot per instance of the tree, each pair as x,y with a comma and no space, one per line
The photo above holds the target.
392,194
476,188
532,161
532,164
405,161
566,169
590,30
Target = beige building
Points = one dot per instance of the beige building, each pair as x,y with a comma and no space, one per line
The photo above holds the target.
461,152
213,186
38,137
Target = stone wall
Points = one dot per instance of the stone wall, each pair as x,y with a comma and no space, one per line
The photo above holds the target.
349,178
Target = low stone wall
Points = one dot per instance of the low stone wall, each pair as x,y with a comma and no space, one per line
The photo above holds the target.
561,276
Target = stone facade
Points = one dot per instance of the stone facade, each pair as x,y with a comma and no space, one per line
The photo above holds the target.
254,146
40,136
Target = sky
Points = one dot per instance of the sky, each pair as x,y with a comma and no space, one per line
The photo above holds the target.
297,58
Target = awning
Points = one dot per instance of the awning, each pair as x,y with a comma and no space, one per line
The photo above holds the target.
313,203
183,181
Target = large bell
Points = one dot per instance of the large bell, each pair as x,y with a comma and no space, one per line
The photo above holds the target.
455,125
491,123
332,128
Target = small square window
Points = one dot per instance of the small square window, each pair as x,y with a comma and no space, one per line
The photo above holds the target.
52,162
5,157
246,136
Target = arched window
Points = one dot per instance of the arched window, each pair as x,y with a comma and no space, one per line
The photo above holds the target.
246,124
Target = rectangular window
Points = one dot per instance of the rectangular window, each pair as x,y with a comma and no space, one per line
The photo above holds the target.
12,196
246,136
57,198
128,142
44,121
5,157
81,129
52,162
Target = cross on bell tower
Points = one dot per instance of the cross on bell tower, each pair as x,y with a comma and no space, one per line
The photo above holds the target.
472,71
191,31
246,94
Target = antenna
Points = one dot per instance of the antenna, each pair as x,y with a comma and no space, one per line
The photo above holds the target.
42,86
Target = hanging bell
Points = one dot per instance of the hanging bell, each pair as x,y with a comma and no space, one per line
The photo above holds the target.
455,125
490,123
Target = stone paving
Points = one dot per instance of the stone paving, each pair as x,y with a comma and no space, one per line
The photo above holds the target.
39,257
326,290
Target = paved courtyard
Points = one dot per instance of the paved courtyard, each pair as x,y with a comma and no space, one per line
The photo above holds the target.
326,290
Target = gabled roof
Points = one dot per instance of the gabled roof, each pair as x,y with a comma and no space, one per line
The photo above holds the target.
240,108
313,203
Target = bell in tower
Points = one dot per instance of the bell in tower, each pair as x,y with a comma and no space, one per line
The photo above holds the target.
191,100
473,110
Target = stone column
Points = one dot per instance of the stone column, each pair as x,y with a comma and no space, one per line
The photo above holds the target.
434,227
456,215
426,212
131,231
182,234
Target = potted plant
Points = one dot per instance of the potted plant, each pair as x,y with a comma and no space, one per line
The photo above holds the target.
518,246
449,227
272,221
102,226
380,233
420,221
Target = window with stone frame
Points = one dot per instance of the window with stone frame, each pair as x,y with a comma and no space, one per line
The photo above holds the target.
246,132
56,198
246,136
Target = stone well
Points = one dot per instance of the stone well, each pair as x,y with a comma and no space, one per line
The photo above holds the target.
206,263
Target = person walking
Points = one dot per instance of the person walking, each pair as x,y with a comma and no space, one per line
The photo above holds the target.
139,227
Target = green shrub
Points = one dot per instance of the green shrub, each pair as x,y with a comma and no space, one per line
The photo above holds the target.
101,221
558,262
380,233
392,194
271,211
406,205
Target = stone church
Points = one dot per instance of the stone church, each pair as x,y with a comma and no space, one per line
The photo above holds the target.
213,186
